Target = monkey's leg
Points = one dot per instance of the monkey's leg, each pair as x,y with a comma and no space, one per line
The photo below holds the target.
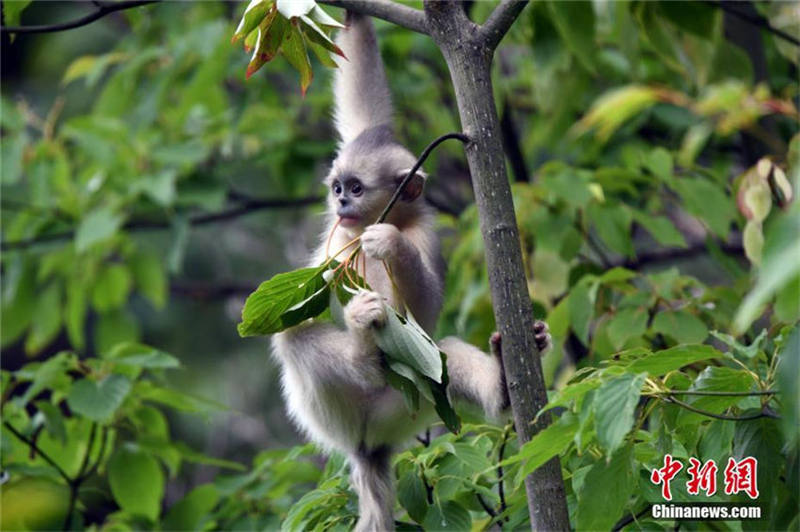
371,478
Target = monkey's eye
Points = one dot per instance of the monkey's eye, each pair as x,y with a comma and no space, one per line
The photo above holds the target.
356,189
337,188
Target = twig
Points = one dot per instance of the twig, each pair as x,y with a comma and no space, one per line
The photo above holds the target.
630,518
709,392
102,10
407,17
427,151
501,19
486,506
500,489
755,20
32,445
763,413
246,207
75,483
662,255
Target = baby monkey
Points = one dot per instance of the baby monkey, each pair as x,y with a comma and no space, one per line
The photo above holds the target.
332,378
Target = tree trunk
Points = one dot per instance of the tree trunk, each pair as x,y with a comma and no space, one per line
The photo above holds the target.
468,54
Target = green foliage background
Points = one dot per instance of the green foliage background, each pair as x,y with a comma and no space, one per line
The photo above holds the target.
147,189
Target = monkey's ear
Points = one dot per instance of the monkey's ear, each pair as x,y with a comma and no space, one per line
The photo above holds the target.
414,187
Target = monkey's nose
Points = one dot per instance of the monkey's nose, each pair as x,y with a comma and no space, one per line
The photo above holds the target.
343,201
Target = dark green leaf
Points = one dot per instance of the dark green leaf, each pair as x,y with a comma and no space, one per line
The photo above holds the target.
627,323
606,489
575,24
548,443
142,356
294,50
263,309
111,288
404,340
412,496
188,513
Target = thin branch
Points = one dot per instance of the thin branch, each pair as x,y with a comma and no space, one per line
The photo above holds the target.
407,17
102,10
30,443
716,393
500,489
486,506
687,406
501,19
759,21
662,255
246,207
427,151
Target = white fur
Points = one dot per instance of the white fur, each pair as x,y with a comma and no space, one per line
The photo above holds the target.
362,98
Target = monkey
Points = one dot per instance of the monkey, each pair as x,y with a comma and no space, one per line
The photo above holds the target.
332,378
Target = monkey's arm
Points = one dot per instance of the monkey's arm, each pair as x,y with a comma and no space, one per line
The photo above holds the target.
412,256
479,377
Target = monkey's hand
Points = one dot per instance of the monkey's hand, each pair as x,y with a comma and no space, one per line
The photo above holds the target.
365,310
382,241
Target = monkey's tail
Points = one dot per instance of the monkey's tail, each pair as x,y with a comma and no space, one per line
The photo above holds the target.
371,478
362,98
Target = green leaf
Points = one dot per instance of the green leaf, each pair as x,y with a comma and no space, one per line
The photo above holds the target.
613,225
53,420
137,482
99,400
605,492
312,307
188,513
616,107
573,392
659,162
269,37
627,323
404,340
779,266
448,515
150,278
46,320
473,457
412,496
315,35
708,202
75,313
115,327
12,11
575,24
253,15
718,379
264,308
441,403
546,444
581,307
614,405
661,228
175,399
405,384
787,302
111,288
681,326
695,17
671,359
142,356
294,50
99,225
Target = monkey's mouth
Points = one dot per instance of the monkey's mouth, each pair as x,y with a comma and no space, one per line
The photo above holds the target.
349,221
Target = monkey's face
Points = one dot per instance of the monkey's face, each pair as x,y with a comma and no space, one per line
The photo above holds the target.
366,174
357,201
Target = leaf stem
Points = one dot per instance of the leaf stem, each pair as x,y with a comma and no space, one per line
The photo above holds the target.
30,443
425,153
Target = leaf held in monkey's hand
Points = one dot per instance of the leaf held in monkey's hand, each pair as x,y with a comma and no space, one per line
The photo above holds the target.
284,301
404,340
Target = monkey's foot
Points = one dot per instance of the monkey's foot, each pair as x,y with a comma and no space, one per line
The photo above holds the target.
365,310
541,335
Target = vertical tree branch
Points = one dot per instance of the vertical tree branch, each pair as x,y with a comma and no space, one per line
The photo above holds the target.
468,51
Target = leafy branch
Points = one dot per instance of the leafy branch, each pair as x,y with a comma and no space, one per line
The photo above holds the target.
762,413
103,9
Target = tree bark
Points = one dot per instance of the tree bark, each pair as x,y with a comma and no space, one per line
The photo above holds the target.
468,52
